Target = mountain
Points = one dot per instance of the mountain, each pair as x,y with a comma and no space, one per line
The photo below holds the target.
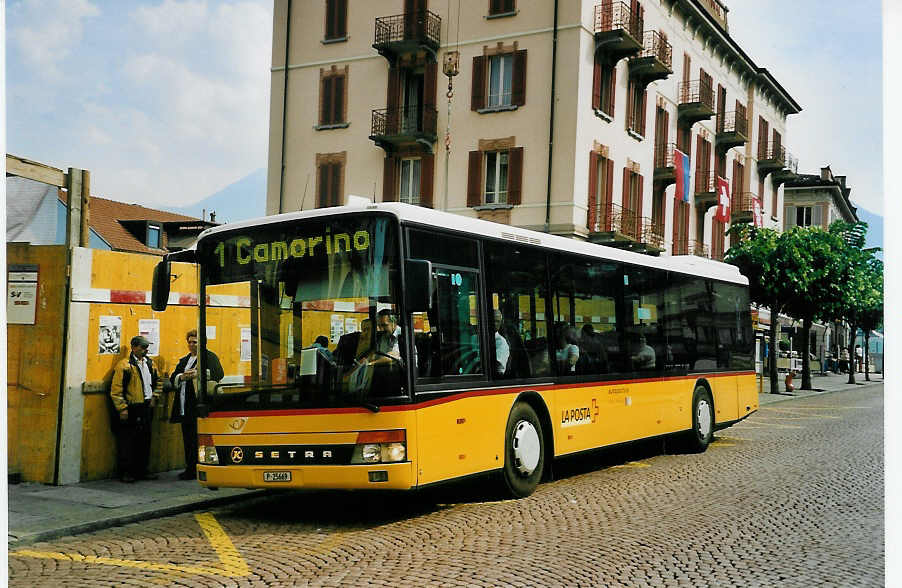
242,200
875,228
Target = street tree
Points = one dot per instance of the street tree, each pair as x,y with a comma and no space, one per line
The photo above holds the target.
775,273
819,253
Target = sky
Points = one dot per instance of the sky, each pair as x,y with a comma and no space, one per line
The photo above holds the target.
167,101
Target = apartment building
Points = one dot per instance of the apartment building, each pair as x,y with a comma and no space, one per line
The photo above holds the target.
569,117
817,200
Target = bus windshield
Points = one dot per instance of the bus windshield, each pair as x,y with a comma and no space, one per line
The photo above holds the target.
303,314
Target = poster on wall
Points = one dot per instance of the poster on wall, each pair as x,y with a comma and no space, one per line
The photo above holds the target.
337,328
350,325
22,294
110,335
245,343
150,329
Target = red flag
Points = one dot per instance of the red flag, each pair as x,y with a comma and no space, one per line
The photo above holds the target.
681,171
723,200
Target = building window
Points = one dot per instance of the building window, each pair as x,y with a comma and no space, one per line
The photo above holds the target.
635,115
333,99
631,221
502,7
495,177
603,81
330,180
153,236
336,20
803,216
601,184
409,190
499,81
500,77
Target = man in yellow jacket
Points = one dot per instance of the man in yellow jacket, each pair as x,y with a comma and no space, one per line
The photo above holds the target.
134,388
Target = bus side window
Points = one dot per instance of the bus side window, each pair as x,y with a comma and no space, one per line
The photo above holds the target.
515,278
645,337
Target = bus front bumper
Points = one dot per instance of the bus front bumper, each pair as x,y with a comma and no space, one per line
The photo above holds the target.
394,476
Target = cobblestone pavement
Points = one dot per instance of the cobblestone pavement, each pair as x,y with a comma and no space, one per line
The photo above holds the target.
791,497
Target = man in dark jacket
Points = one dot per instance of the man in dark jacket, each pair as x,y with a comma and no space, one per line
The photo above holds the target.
134,388
184,405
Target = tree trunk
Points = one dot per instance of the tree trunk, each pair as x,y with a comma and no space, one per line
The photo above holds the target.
806,343
772,351
867,359
853,329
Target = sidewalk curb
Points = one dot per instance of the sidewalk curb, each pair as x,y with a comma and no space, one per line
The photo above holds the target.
808,393
144,515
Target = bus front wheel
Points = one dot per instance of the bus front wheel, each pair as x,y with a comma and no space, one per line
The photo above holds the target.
702,421
524,451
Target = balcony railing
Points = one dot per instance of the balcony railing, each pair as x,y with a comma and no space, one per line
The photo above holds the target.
652,234
733,122
697,92
421,27
656,46
411,121
614,16
623,221
705,182
771,152
688,247
743,203
664,155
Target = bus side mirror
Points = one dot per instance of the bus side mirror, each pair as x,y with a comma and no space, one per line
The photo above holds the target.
160,294
418,294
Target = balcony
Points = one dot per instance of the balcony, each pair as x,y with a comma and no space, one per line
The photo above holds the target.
665,173
732,130
705,189
687,247
789,171
742,207
696,102
407,33
654,61
618,31
771,157
392,128
624,229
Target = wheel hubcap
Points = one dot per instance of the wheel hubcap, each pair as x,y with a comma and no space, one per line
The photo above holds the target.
527,447
704,418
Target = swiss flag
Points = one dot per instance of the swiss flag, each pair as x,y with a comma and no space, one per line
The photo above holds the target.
681,169
723,200
757,216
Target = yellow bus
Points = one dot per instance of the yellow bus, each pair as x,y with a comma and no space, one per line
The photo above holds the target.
393,346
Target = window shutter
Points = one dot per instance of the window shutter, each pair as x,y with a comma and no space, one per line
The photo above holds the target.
515,176
494,6
761,194
700,164
630,89
477,100
341,20
611,90
392,100
474,179
778,141
518,83
596,84
608,195
642,113
335,188
325,115
625,192
789,217
737,183
676,226
427,171
338,99
666,128
389,185
592,215
331,7
322,182
641,181
429,84
817,219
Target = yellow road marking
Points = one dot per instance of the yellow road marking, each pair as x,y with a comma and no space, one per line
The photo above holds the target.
230,565
804,415
767,425
732,438
718,443
633,464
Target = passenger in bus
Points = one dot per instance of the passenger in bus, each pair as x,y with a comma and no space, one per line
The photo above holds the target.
644,359
353,345
502,346
388,334
322,344
593,359
567,354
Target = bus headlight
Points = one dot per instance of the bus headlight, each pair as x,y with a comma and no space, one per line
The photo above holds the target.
380,447
206,451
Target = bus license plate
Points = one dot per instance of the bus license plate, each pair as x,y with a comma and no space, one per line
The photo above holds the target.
276,476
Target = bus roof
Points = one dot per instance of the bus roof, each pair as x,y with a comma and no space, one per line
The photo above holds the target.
408,213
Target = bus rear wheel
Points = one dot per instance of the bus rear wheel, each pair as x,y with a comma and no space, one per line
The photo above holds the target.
702,433
524,451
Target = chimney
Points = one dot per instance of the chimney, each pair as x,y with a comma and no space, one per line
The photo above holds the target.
826,174
212,216
841,180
